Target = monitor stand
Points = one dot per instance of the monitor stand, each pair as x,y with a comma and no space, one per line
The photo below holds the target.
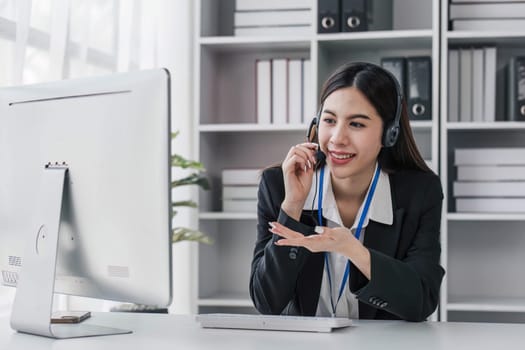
34,295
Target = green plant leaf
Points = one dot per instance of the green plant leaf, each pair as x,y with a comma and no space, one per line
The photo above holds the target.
187,234
181,162
193,179
188,203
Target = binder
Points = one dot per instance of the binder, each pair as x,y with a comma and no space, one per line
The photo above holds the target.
490,156
490,205
257,5
272,18
328,16
419,84
280,91
517,89
489,85
489,11
354,15
477,85
263,93
489,189
465,85
453,86
295,91
491,172
396,66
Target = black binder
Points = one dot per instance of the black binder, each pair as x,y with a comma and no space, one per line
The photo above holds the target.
354,15
329,16
517,89
419,85
396,66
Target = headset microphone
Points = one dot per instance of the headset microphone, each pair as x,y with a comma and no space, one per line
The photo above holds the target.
319,156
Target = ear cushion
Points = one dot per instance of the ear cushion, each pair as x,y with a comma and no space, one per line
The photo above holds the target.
391,135
312,131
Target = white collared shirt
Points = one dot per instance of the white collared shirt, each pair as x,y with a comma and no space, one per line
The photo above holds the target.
380,211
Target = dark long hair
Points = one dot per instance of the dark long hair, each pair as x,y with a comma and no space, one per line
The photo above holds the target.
377,85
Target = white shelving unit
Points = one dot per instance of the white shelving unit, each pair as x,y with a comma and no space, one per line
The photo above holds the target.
227,135
482,253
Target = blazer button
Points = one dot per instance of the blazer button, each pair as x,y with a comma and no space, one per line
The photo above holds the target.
372,300
384,304
293,253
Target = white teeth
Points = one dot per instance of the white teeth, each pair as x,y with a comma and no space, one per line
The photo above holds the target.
342,156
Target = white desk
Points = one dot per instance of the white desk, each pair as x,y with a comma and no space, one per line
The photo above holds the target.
154,331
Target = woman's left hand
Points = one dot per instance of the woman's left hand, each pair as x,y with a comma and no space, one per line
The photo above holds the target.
337,239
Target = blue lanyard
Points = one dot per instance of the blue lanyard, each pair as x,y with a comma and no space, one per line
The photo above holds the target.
357,232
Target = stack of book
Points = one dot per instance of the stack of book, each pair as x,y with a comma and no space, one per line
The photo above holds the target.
283,91
487,15
472,85
490,180
239,190
272,18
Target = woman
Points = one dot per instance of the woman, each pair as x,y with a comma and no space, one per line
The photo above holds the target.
357,234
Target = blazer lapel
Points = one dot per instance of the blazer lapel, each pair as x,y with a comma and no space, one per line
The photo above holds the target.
385,238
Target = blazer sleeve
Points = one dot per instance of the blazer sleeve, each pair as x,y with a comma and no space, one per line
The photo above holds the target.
274,269
409,287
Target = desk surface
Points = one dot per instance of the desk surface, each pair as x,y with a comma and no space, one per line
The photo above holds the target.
156,331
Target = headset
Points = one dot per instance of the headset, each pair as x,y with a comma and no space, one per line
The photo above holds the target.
390,132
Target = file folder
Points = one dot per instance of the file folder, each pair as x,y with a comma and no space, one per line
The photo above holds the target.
419,84
396,66
329,16
517,89
354,16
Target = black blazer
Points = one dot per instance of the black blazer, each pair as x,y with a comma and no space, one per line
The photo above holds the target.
405,270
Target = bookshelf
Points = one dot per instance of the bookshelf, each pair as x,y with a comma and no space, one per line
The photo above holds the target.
481,252
228,136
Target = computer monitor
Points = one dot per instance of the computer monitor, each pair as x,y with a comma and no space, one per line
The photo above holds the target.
85,204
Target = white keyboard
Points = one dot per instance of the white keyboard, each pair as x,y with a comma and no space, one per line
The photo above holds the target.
273,322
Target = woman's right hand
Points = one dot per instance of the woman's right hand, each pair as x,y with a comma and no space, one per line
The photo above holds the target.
298,169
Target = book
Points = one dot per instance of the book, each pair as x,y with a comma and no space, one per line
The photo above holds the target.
239,205
489,10
309,100
477,85
272,18
240,176
490,205
263,93
453,86
280,91
273,31
489,156
491,173
465,85
295,91
257,5
239,192
490,25
489,189
489,84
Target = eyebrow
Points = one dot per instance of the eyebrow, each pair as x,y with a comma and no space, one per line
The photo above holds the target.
352,116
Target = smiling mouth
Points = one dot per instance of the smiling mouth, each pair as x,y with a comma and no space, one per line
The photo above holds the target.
342,156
